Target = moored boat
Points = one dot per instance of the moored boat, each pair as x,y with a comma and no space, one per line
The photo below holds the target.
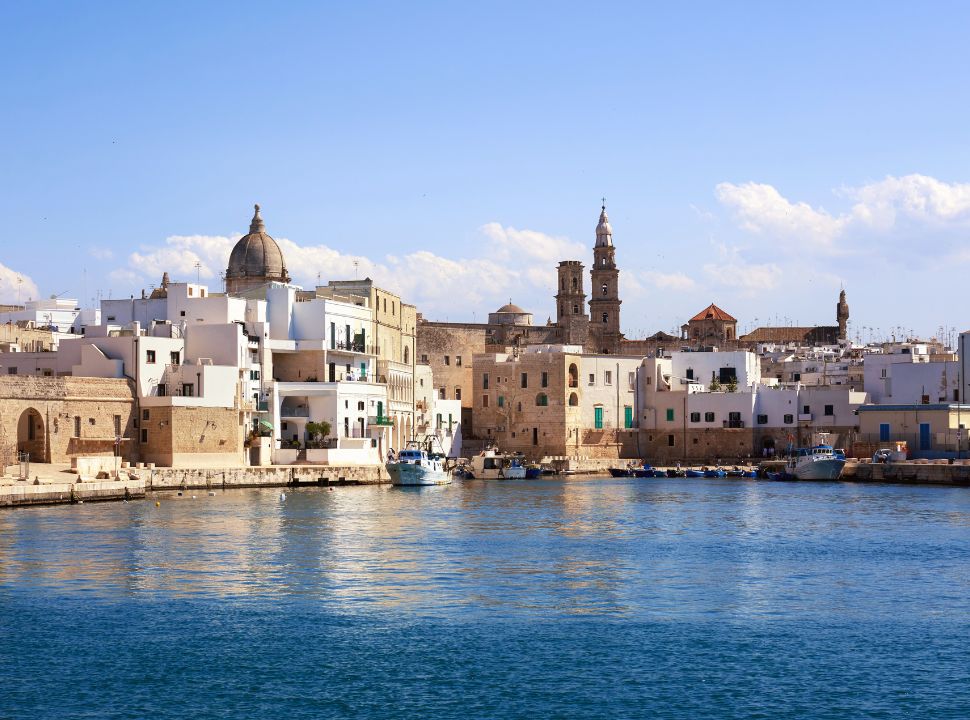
820,462
491,464
620,472
414,466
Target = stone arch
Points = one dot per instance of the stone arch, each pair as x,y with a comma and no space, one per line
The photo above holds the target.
573,376
30,435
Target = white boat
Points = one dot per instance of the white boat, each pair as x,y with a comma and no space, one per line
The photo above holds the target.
820,462
493,465
414,466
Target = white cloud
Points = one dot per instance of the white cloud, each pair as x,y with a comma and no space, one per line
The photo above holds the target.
16,287
669,281
101,253
732,271
508,263
878,212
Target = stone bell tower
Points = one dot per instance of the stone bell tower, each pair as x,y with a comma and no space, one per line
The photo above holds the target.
604,303
571,303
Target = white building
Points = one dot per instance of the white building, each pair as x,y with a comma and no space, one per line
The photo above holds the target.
63,315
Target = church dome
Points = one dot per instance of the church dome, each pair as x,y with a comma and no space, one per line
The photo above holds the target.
256,259
604,233
510,308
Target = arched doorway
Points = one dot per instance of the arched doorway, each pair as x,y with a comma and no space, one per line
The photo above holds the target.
30,435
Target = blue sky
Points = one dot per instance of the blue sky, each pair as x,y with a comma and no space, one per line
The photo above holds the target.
757,155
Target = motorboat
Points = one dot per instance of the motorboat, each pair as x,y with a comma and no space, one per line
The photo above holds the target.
415,466
621,472
643,472
692,473
819,462
491,464
715,473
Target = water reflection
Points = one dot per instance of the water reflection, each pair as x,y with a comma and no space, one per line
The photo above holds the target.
661,548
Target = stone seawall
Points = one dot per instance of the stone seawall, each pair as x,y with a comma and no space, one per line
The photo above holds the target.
272,476
24,493
908,472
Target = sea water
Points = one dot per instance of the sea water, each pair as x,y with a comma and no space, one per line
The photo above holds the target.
585,598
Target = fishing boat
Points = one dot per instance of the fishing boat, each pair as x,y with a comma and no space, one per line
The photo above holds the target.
533,471
492,464
621,472
644,471
692,473
819,462
714,473
415,466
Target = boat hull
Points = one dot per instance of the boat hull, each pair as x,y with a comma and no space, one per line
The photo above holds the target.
408,474
619,472
513,473
828,469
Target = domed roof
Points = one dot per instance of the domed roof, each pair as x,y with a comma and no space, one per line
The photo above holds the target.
510,308
257,255
604,233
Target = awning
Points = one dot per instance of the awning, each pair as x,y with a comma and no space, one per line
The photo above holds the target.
266,424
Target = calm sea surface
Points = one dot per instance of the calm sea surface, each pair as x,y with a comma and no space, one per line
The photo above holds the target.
524,599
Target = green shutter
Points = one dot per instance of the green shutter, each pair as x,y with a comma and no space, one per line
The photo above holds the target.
670,414
598,418
628,417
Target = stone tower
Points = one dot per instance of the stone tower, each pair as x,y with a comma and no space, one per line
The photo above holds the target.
842,315
604,303
571,303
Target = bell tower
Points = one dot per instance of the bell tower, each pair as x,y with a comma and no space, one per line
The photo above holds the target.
571,303
604,303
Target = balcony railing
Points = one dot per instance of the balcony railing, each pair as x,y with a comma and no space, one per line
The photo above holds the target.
733,423
381,420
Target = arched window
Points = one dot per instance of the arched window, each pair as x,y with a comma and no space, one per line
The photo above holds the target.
573,399
605,289
407,355
574,283
606,317
573,376
542,400
575,309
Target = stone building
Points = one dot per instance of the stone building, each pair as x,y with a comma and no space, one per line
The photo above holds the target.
711,327
56,418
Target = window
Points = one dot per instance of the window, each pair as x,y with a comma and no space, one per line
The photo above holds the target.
485,401
457,393
670,441
606,317
605,289
690,373
457,360
727,375
333,336
424,359
762,419
632,380
545,379
447,360
501,401
441,394
806,409
181,314
144,435
144,414
670,414
882,373
608,377
575,309
484,381
117,425
77,425
162,389
188,390
173,357
592,378
360,404
796,377
11,371
695,417
789,419
542,400
829,410
525,380
573,399
254,374
150,357
708,417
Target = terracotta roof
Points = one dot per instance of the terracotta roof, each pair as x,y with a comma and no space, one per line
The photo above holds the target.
788,334
713,312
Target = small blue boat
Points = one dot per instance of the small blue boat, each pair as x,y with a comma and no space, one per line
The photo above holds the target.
695,473
715,473
533,471
643,472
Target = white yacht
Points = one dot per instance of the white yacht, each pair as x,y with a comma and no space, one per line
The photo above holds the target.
493,465
414,466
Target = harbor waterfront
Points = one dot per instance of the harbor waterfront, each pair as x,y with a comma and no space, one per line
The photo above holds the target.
556,597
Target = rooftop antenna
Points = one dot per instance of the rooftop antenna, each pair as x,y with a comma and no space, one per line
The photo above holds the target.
356,265
198,272
20,282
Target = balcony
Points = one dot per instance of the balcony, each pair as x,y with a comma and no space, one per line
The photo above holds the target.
733,423
805,417
380,420
354,347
